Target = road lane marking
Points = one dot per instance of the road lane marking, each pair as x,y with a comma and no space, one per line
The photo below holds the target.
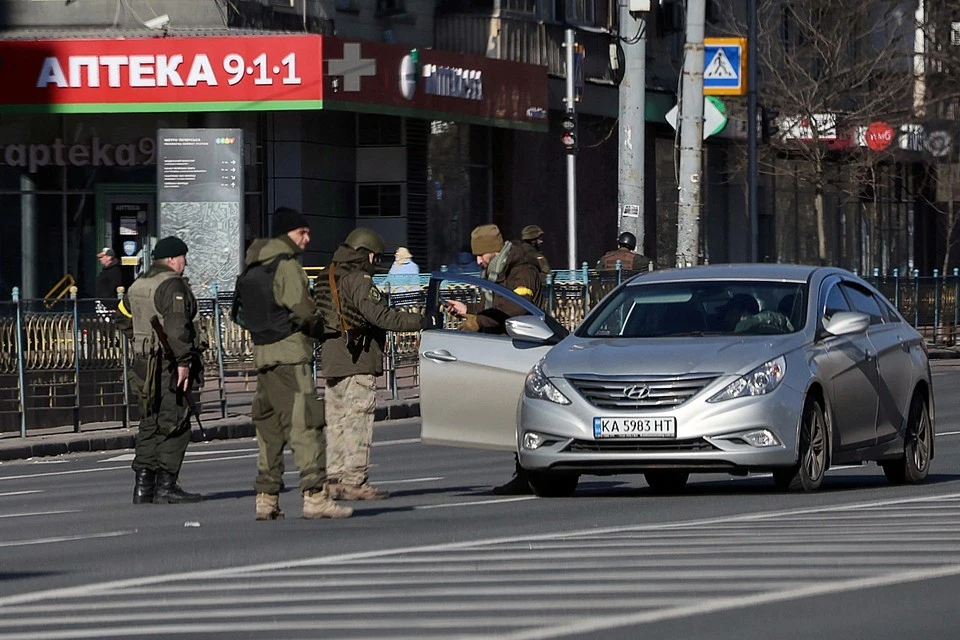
947,433
37,513
89,536
20,493
476,502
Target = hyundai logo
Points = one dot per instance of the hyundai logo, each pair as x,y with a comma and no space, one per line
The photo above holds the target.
636,392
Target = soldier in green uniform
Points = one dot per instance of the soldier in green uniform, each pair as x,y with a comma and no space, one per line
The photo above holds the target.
160,384
625,253
272,301
532,239
350,302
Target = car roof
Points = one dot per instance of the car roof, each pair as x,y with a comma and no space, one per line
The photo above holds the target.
760,271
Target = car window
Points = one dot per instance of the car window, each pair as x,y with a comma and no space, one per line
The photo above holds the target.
862,301
890,313
834,302
649,310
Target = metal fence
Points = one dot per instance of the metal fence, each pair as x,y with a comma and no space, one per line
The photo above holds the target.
65,363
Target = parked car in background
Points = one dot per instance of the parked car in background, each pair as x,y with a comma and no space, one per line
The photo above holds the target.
726,368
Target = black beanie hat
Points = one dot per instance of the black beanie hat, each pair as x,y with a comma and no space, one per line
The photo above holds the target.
169,247
286,220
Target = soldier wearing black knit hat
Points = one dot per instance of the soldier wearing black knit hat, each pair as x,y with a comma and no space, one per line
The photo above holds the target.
164,430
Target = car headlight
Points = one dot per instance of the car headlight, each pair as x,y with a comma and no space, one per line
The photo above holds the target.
537,386
758,382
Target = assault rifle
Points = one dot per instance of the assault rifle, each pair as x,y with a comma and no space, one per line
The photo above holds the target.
168,353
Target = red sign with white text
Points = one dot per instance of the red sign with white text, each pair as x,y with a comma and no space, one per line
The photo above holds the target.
162,74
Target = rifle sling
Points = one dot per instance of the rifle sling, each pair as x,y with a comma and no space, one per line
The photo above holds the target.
336,301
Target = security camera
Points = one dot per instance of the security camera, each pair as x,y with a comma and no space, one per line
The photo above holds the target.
157,23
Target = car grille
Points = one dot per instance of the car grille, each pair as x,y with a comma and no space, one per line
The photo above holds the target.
654,392
638,446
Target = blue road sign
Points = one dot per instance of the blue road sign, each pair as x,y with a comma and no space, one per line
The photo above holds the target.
723,66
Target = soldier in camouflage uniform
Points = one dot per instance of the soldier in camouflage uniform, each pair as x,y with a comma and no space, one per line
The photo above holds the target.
629,261
350,301
160,385
272,301
532,240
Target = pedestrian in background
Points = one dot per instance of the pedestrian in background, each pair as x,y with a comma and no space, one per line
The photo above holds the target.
518,270
404,274
625,253
273,303
111,277
532,239
161,384
351,302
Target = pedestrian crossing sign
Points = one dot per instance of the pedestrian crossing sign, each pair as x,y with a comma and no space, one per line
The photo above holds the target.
724,61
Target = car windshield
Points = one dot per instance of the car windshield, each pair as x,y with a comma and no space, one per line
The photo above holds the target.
697,308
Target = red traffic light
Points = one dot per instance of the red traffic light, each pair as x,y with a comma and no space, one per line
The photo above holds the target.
569,140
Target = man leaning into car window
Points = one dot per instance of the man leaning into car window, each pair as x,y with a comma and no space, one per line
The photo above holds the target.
515,269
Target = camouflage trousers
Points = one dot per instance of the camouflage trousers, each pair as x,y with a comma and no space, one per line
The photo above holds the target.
286,410
350,405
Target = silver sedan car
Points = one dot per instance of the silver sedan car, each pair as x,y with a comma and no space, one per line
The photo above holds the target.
726,368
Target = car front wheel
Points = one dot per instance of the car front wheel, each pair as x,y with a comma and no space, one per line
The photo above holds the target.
913,467
547,484
807,474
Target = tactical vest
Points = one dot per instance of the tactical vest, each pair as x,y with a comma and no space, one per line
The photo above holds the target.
323,297
254,307
628,260
143,307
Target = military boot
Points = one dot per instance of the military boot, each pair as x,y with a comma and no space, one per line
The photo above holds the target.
318,505
365,491
268,507
146,485
169,491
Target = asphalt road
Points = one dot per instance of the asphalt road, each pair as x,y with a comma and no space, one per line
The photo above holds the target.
729,558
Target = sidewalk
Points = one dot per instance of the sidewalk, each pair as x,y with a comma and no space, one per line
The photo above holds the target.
111,439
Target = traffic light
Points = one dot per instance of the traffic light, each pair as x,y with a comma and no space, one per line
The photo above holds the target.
768,124
569,135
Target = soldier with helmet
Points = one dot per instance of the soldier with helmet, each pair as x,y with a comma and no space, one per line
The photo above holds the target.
532,239
625,253
351,303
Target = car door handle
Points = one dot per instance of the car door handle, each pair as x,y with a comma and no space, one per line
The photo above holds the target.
869,356
441,355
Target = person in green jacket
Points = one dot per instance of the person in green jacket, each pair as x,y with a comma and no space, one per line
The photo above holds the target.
350,302
275,305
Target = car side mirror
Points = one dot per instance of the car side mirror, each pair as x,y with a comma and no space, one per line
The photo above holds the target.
845,323
529,328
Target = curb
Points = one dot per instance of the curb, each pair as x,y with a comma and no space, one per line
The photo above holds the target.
225,429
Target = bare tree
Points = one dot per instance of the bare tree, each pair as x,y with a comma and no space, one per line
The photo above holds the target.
827,70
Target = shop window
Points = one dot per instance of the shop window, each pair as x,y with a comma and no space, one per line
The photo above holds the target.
527,7
376,130
580,11
379,200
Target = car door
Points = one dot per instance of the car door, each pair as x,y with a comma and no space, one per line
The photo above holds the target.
850,364
897,346
470,383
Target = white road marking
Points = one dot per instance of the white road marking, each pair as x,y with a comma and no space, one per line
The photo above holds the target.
20,493
91,536
475,502
948,433
37,513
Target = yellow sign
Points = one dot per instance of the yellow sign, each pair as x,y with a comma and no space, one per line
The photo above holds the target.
724,66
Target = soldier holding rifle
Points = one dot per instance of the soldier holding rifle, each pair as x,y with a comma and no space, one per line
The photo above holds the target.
163,375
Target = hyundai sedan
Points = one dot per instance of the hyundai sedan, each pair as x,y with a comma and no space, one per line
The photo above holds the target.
732,369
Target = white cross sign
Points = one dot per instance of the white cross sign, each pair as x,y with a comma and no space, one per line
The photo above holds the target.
352,67
723,66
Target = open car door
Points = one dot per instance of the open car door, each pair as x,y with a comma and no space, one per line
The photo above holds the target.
470,383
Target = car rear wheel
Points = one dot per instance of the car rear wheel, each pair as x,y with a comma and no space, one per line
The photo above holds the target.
913,467
551,484
666,481
807,474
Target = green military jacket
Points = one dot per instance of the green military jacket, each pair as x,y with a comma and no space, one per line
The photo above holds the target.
365,312
160,292
291,290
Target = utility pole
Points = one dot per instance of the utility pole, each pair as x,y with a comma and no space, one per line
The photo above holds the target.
570,129
691,137
752,173
632,40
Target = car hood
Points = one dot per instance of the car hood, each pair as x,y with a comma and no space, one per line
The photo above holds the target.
665,356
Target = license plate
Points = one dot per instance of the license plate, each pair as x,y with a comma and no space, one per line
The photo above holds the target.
635,427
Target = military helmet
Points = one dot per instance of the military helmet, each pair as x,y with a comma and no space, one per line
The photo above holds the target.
362,238
628,240
531,232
